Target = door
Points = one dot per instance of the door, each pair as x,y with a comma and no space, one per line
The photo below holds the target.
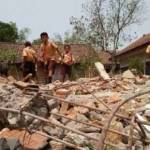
147,68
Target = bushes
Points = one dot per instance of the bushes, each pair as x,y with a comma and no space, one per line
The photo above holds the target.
8,55
85,68
136,63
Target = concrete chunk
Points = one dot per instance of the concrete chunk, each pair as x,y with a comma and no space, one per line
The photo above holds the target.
101,70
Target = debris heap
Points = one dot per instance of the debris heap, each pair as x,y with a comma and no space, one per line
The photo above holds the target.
73,115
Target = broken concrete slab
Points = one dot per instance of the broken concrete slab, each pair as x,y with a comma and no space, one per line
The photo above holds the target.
3,80
21,84
33,141
139,81
52,104
96,116
81,117
147,114
11,79
56,145
115,138
62,91
76,139
128,75
64,107
14,144
102,72
53,131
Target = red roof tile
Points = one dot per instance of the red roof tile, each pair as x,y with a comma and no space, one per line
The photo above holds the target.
79,50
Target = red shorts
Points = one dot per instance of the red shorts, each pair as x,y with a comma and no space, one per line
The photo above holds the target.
51,65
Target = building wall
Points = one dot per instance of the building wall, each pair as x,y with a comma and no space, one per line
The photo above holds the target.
79,51
124,59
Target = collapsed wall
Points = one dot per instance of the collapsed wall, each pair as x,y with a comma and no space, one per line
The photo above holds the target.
75,112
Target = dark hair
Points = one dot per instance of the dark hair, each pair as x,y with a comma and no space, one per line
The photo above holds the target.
26,44
67,46
44,34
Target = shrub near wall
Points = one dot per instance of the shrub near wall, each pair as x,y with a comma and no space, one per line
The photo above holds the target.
136,63
8,55
8,58
85,68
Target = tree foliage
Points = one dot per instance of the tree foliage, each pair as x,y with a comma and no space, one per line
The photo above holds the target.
9,32
37,41
105,22
58,38
69,37
8,55
23,34
136,63
73,38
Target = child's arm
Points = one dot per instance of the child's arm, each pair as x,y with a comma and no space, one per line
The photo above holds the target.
56,47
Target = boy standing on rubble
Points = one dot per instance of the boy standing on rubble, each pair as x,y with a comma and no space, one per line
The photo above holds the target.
29,60
49,51
68,60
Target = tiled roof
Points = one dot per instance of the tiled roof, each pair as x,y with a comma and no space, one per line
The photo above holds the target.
79,51
145,39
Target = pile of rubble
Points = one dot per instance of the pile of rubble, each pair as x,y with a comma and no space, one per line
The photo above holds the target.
72,115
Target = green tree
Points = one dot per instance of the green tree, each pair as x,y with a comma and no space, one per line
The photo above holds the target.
73,38
8,32
136,63
69,37
23,34
58,38
106,22
37,41
8,55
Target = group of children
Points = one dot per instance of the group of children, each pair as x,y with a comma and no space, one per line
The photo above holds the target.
48,56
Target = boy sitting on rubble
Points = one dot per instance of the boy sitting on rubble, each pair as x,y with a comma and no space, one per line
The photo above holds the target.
29,60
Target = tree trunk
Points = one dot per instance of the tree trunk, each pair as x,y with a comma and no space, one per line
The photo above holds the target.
114,63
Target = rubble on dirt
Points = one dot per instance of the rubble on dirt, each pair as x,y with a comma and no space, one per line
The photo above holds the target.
62,104
128,75
34,141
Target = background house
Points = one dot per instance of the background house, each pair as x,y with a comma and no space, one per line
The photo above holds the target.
80,52
133,52
106,59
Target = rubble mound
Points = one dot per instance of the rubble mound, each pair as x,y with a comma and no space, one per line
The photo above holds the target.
72,112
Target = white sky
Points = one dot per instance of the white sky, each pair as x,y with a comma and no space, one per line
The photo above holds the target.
51,16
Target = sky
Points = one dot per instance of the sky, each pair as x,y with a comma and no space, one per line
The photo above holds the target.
51,16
